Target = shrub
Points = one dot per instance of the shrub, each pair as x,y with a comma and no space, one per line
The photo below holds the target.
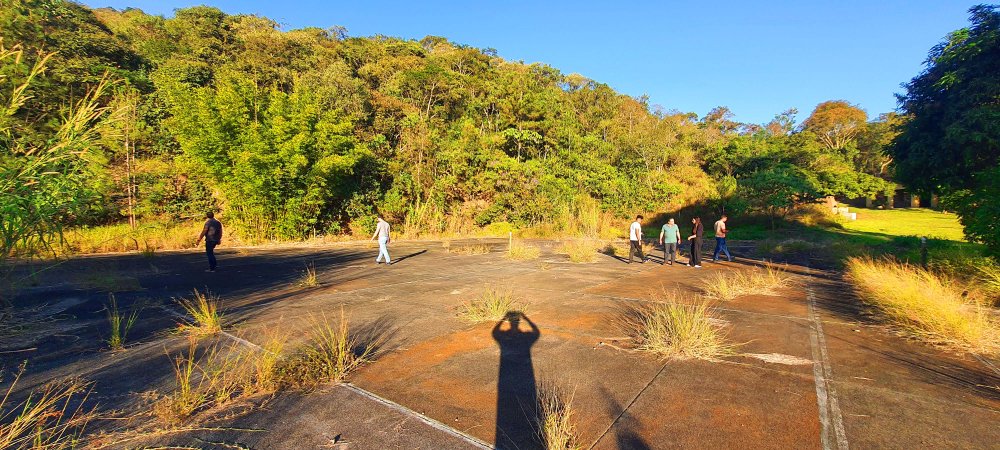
925,305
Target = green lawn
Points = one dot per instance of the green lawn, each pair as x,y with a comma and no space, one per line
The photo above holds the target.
907,222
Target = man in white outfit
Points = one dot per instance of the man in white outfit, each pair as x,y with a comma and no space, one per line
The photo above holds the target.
382,233
635,240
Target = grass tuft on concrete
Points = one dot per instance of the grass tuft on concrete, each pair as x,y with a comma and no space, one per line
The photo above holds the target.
519,251
203,308
671,329
556,427
925,305
329,354
491,306
729,285
119,323
579,251
308,277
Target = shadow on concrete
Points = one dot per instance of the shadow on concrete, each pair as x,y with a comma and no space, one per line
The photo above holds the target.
517,392
626,437
398,260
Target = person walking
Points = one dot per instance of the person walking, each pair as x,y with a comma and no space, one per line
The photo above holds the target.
670,237
635,240
720,239
696,235
212,233
382,233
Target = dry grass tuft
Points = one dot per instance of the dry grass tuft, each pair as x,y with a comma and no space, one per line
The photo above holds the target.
519,251
732,284
328,356
470,249
46,419
556,428
579,251
308,277
491,306
927,306
206,319
672,329
191,393
119,323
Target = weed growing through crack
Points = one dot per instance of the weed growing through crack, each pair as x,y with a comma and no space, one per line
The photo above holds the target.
308,277
672,329
203,309
46,419
329,354
926,305
119,323
491,306
730,285
556,427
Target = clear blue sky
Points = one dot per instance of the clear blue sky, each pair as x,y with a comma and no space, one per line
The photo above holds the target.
756,57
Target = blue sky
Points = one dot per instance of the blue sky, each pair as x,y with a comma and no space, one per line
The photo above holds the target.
756,57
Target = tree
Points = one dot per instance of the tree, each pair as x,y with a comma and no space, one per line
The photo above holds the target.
836,123
951,142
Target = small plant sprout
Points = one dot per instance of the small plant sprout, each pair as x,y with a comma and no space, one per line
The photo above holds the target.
119,323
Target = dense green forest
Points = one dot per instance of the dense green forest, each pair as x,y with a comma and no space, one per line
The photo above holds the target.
114,116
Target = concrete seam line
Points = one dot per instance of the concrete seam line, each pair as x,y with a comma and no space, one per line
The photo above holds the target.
427,420
629,405
831,419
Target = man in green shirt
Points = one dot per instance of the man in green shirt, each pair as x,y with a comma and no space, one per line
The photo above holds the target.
670,237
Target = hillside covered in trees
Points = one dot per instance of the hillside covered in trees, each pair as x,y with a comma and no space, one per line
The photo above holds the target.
309,132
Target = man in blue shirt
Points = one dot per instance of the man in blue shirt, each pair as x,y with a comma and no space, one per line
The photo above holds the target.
670,237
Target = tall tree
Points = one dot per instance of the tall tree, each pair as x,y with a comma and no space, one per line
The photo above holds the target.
836,123
951,144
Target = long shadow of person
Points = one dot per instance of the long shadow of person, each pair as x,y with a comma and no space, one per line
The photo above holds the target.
517,396
626,437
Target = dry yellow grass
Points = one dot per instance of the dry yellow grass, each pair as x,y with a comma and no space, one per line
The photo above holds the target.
308,277
47,418
580,251
925,305
204,311
328,355
730,285
672,329
556,427
469,249
491,306
519,251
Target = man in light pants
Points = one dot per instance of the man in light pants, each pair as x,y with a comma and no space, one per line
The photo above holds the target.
382,233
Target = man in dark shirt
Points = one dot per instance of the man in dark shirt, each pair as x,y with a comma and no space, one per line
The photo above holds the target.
212,232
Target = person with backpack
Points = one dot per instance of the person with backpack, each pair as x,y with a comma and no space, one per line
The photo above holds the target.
212,233
670,238
697,231
720,239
